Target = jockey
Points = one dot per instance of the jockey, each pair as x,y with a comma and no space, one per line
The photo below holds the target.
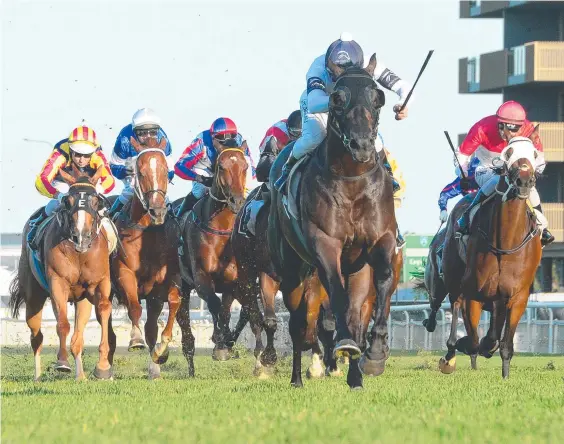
283,132
314,102
488,138
81,150
145,125
197,160
464,186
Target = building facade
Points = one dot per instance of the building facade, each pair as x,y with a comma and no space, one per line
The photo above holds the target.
530,70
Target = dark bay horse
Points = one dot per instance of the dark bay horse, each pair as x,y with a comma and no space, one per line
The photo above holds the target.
75,268
147,266
346,220
208,265
504,252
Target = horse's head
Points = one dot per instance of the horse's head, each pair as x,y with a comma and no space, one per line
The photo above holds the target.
518,161
230,177
81,206
151,178
354,110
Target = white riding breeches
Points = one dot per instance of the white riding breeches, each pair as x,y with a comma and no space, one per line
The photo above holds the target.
314,130
199,190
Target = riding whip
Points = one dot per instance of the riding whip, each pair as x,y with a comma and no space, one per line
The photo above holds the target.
417,79
454,152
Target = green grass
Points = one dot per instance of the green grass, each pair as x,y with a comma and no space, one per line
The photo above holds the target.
410,402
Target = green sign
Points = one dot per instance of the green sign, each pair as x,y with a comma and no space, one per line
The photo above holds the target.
415,255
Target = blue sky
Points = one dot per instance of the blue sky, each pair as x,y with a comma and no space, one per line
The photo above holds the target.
100,61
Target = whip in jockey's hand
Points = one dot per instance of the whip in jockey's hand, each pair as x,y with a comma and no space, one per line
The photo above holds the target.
400,115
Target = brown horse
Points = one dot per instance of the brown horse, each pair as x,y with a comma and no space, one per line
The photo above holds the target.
75,268
346,221
147,266
504,252
208,264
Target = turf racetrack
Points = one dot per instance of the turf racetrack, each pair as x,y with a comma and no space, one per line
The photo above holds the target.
411,402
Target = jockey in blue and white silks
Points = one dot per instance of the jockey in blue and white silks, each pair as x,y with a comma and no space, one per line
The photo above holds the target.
314,101
198,159
144,126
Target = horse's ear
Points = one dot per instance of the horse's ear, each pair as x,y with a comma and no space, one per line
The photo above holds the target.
508,153
136,145
272,146
535,135
162,144
371,65
338,99
244,146
335,69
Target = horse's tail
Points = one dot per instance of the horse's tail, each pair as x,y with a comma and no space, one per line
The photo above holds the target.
16,296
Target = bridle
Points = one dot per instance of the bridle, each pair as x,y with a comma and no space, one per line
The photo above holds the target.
144,196
216,176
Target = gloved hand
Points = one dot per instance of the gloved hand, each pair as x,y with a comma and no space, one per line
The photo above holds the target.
204,180
466,183
443,216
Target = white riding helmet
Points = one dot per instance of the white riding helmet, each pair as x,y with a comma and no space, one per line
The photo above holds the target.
145,118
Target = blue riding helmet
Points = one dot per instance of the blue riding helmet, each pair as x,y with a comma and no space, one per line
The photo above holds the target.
344,53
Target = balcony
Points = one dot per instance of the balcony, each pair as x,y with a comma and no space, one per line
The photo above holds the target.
552,136
554,212
541,62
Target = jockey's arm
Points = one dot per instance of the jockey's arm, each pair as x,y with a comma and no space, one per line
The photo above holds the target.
44,180
448,192
472,141
195,152
120,155
105,182
391,81
316,78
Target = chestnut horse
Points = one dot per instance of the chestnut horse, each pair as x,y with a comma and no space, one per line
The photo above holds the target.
346,220
75,268
504,252
207,263
147,266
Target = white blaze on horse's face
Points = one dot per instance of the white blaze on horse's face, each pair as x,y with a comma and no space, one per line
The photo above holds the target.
81,217
153,166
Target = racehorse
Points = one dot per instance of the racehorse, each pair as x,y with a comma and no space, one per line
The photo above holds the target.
74,268
346,221
208,264
504,252
147,266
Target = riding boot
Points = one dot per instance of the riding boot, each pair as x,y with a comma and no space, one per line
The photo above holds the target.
286,169
395,183
187,204
546,236
463,221
34,225
116,208
400,241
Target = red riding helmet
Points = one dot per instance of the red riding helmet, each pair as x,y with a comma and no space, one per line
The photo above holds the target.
511,112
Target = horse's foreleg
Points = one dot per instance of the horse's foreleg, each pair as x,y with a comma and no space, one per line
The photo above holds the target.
382,262
60,291
514,313
447,364
328,256
183,319
83,309
268,290
472,311
33,315
128,282
296,326
154,309
103,369
312,299
160,352
490,343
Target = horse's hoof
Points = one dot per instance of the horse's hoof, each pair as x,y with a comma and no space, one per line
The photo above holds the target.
136,345
370,367
314,373
268,359
234,354
429,326
103,374
357,388
486,351
297,384
159,359
348,348
344,360
221,354
447,367
264,372
62,366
